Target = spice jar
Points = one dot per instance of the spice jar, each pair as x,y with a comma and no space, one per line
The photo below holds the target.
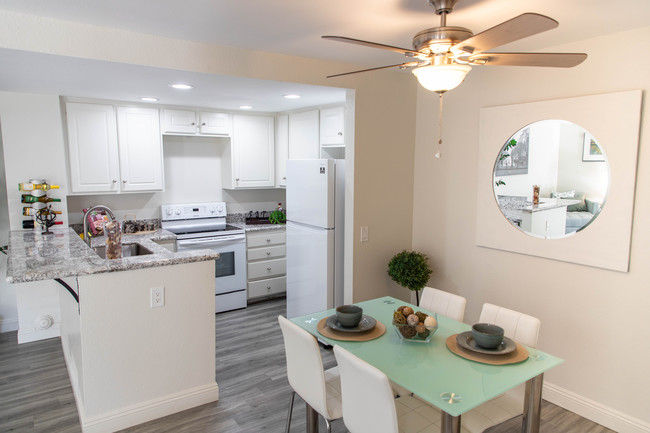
535,194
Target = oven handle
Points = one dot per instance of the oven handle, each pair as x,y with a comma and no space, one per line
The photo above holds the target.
210,241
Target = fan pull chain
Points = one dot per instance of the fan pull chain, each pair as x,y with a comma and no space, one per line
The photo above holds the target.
437,155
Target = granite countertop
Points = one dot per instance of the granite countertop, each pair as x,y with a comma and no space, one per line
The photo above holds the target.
528,206
35,256
258,227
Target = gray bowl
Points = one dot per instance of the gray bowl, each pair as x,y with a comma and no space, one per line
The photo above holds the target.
349,316
487,335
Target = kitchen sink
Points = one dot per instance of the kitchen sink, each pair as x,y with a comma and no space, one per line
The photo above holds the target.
128,250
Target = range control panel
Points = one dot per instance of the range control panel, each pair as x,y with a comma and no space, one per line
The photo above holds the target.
192,211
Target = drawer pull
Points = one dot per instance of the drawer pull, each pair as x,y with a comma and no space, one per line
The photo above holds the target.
268,287
268,253
268,269
268,240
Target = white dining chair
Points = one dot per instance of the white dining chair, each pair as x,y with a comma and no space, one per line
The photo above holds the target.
523,329
321,389
445,303
369,405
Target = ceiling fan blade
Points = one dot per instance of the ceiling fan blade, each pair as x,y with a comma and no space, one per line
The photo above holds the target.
519,27
555,60
405,51
403,65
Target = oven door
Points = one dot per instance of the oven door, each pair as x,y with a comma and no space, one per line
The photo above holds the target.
230,269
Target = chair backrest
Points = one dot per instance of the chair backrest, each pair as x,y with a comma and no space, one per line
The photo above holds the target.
445,303
518,326
304,366
368,404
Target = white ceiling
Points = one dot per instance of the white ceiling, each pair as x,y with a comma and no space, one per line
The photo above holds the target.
294,27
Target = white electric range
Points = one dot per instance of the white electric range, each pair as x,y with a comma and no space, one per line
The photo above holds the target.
199,226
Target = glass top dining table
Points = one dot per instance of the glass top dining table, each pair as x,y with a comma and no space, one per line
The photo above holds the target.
434,373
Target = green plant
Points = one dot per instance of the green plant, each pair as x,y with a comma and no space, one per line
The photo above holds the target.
277,217
504,154
410,269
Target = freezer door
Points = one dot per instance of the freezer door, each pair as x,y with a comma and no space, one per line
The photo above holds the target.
310,269
310,191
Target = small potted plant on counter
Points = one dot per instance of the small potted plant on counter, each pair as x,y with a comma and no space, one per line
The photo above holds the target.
410,269
277,216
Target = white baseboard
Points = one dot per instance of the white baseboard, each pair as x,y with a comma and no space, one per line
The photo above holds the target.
33,334
594,411
8,325
150,410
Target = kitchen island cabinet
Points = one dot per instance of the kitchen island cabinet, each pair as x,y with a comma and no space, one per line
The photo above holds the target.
128,361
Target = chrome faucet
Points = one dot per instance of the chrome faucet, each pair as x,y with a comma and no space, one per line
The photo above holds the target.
99,206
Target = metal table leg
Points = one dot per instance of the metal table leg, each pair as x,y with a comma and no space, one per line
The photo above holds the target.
312,419
450,424
533,405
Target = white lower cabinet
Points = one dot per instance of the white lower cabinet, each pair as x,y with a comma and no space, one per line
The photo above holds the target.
267,263
114,153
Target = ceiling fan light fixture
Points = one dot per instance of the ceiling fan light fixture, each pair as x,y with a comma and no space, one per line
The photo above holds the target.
441,78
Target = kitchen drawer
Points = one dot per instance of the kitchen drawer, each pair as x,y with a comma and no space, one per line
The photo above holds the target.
271,286
267,252
266,238
267,268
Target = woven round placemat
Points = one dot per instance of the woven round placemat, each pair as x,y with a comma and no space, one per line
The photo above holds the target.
333,334
518,355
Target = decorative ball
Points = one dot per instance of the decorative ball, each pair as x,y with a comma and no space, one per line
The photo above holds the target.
422,316
422,331
412,319
407,331
399,317
402,308
430,321
407,311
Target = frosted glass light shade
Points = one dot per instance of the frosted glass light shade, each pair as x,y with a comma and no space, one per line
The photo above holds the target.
440,78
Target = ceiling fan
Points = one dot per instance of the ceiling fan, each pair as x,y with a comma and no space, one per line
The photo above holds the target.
442,56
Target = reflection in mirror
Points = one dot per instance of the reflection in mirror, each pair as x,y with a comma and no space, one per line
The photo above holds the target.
551,179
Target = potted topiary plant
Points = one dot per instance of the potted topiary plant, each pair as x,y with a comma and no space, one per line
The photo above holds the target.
410,269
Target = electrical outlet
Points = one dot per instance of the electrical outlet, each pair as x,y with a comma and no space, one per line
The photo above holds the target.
364,234
157,297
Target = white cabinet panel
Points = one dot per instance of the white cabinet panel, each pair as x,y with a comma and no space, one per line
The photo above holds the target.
268,287
253,153
263,239
331,126
267,253
179,121
140,147
304,136
214,123
266,262
267,268
92,145
281,149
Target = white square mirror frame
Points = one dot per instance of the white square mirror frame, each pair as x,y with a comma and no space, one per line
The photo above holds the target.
615,119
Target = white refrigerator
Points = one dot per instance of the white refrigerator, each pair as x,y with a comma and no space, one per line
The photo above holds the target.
315,215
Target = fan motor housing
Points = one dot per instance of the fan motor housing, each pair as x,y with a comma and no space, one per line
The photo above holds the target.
439,39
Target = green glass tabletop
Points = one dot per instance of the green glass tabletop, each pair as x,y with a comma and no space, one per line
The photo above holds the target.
431,370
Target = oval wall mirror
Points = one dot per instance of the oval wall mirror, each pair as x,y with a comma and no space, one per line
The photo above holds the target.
551,179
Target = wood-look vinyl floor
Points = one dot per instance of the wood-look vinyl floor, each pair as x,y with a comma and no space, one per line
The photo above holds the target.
36,396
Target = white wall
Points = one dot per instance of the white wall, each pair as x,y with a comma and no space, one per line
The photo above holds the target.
590,317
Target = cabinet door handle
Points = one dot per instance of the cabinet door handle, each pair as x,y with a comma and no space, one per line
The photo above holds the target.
268,240
193,123
268,287
203,124
268,269
114,181
237,180
340,133
284,178
268,253
123,181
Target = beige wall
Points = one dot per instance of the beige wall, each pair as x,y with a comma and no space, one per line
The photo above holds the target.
592,318
384,121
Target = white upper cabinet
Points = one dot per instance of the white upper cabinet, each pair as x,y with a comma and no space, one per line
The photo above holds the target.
332,121
281,149
113,155
140,144
187,122
252,160
303,135
92,148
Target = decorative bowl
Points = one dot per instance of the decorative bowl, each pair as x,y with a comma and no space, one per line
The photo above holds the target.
487,335
349,316
408,332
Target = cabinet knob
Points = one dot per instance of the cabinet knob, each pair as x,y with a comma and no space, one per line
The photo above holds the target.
268,253
203,124
123,181
193,123
340,133
284,178
268,287
268,269
268,240
114,181
237,180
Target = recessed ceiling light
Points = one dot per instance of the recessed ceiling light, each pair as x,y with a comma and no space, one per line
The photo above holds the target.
292,96
245,107
181,86
147,99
